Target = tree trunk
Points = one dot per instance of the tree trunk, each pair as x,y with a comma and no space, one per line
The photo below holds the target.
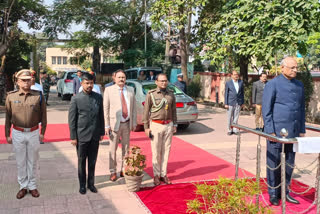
244,62
184,54
96,59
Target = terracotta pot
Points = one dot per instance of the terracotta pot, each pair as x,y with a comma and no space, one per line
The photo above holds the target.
133,182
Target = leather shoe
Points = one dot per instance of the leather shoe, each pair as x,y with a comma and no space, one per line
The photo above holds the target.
113,177
229,133
21,193
82,190
165,179
34,193
291,200
156,180
93,189
274,200
121,174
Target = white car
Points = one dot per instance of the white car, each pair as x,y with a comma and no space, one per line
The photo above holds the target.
187,111
65,84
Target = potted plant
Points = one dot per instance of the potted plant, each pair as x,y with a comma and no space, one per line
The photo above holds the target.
134,164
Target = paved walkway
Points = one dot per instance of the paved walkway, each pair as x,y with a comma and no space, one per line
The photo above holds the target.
58,184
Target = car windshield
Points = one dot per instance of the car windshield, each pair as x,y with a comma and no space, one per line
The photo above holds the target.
148,87
71,75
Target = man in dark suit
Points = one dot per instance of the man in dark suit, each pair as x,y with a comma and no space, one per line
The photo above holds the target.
257,92
283,106
77,83
152,77
233,99
86,124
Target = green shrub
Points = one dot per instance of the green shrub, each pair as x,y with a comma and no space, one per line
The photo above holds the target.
226,196
194,87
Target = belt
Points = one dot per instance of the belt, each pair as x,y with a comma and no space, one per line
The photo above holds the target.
26,129
162,121
125,121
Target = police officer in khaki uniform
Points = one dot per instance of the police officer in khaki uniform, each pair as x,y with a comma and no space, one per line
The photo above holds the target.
25,109
160,122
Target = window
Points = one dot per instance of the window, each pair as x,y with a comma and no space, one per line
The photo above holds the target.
59,60
65,60
53,58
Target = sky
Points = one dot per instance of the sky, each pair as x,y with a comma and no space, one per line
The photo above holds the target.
49,3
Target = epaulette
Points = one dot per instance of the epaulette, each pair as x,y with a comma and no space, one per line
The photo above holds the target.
11,92
150,91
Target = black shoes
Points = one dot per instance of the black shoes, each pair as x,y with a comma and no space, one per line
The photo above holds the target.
229,133
291,200
93,189
82,190
274,200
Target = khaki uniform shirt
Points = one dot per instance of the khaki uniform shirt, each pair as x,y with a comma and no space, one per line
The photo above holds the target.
162,114
24,110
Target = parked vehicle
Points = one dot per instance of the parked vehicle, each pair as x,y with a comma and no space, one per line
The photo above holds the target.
65,84
187,111
133,73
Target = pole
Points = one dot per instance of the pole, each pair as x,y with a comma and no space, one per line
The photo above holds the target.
238,155
145,32
258,169
283,180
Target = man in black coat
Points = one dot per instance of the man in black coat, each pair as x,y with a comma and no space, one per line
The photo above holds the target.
86,124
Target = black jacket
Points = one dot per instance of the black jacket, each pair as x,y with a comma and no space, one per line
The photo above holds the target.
86,118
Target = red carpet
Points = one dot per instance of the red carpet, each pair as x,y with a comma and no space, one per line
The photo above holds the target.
172,199
187,163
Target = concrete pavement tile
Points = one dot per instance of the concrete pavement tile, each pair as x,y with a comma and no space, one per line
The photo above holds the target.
32,210
106,211
101,204
10,211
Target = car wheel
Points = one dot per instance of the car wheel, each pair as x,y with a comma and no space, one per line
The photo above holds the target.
139,128
183,126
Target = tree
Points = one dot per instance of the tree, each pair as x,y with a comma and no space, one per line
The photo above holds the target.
257,28
30,11
113,25
176,14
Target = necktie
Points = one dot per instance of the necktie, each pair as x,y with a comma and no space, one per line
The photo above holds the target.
124,105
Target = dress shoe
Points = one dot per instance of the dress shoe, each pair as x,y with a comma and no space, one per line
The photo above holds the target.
156,180
93,189
48,104
121,174
291,200
41,142
113,177
165,179
82,190
21,193
274,200
229,133
34,193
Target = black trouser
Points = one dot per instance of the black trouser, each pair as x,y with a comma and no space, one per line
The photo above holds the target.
87,150
273,160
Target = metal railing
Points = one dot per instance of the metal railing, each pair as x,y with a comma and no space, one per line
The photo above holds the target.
283,141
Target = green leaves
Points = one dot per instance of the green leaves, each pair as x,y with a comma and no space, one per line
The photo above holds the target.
253,28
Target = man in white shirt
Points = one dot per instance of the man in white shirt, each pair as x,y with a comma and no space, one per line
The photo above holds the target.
120,116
